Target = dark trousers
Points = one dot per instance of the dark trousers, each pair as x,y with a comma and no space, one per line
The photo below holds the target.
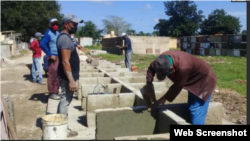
52,81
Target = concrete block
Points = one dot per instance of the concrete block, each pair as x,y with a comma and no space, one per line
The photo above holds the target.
91,119
102,101
89,70
114,88
123,122
103,80
84,103
165,136
89,88
88,80
122,70
110,70
97,74
167,118
127,99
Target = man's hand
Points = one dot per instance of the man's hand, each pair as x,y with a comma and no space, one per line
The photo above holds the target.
161,101
72,86
53,57
79,46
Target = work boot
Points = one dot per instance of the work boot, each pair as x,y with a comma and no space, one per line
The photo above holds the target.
71,133
55,96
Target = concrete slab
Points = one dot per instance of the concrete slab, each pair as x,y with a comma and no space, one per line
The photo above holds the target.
111,123
127,99
102,101
52,106
145,137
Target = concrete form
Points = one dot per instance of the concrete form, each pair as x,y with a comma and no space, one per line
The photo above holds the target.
121,112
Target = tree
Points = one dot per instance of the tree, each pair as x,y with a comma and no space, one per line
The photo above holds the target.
28,17
131,32
184,19
244,32
89,30
116,24
218,22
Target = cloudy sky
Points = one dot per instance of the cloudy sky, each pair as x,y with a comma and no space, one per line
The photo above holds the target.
143,15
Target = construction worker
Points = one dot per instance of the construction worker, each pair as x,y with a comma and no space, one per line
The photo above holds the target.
188,72
128,50
48,45
37,63
69,64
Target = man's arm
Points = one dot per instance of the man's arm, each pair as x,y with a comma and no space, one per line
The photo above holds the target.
32,45
44,44
180,81
67,68
149,87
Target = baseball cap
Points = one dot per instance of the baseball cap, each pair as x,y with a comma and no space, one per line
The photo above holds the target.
52,20
72,18
123,34
161,66
38,34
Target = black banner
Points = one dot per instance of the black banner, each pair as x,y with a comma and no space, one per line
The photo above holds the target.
178,132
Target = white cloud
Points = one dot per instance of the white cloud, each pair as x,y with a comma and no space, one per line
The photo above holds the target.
148,6
102,2
238,14
156,20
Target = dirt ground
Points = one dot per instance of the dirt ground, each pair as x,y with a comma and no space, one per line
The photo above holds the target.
30,99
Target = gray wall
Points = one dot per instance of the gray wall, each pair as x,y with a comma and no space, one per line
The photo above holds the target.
85,41
6,50
140,44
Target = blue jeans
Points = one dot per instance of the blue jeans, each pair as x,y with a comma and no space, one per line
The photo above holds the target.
198,109
37,65
66,97
128,57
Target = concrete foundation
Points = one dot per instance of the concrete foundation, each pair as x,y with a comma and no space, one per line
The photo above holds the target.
112,103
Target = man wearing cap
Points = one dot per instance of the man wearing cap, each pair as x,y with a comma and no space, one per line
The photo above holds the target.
48,45
37,63
69,64
128,50
188,72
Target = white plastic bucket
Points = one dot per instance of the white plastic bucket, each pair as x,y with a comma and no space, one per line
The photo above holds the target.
54,126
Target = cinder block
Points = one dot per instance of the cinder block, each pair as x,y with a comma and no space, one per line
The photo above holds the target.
91,119
84,103
104,80
167,118
123,122
97,74
149,51
88,88
114,88
127,99
88,80
102,101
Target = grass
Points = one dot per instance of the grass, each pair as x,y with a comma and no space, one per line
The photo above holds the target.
230,71
94,47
